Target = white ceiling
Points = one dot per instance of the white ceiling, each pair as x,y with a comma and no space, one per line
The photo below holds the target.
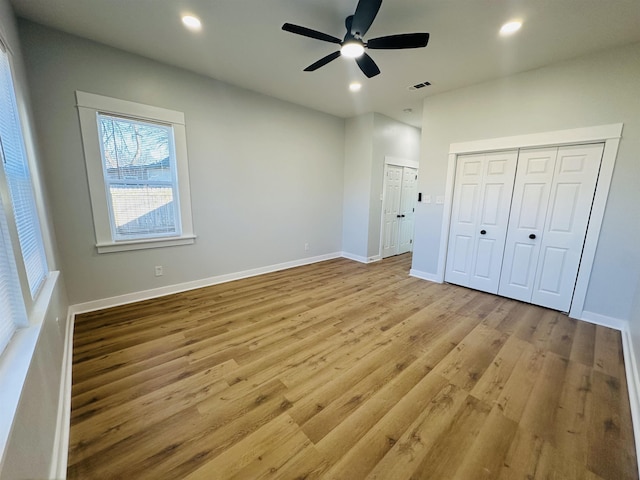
242,43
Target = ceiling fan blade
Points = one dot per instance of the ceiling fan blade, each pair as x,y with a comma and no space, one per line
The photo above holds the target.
403,40
322,62
307,32
367,65
366,12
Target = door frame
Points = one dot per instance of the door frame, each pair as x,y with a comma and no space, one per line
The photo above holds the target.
608,134
398,162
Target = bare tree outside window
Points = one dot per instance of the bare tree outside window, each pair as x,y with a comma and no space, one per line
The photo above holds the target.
140,177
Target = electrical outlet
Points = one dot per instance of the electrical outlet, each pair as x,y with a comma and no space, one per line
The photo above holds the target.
306,247
159,271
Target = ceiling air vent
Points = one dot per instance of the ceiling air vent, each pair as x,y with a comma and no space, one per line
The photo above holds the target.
419,86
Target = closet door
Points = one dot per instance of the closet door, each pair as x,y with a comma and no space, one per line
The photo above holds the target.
572,191
408,199
531,192
391,210
480,212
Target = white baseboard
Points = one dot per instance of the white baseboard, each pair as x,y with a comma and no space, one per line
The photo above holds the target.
432,277
633,386
61,445
183,287
361,259
604,321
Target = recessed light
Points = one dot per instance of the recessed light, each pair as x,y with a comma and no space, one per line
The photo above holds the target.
191,22
510,27
355,86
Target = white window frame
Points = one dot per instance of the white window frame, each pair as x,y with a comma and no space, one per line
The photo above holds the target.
89,106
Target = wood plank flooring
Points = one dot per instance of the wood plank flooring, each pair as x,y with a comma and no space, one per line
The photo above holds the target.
340,370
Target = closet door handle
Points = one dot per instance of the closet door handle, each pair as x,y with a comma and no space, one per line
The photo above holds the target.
483,232
532,236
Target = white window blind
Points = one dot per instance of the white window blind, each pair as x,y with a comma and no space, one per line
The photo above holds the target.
18,178
12,311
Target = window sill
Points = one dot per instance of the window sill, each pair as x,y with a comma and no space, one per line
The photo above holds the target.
108,247
16,359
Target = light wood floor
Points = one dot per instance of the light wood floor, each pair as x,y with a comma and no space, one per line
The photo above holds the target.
346,371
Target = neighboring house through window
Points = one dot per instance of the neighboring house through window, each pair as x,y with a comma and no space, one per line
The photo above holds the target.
136,158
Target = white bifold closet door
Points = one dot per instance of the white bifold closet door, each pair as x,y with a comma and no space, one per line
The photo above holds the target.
479,218
526,222
552,200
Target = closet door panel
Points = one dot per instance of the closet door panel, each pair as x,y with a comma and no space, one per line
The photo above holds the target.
464,214
531,193
482,195
495,202
572,191
408,199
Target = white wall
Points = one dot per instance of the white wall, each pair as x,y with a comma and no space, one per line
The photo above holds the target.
369,139
595,90
390,139
28,453
33,442
358,154
266,175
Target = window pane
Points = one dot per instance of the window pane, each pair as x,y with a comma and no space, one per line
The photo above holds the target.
142,210
135,150
19,180
140,176
12,311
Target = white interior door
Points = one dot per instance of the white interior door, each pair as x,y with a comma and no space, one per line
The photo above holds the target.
571,197
526,222
391,210
479,217
408,199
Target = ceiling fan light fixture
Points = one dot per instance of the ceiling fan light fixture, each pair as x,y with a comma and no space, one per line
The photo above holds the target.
355,86
352,49
510,27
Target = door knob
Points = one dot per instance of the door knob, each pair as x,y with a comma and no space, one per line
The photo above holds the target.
482,232
532,236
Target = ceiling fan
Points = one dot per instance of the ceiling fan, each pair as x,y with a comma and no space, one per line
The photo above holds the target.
353,45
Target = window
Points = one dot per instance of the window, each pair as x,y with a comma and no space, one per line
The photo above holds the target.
16,171
17,214
138,175
12,311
